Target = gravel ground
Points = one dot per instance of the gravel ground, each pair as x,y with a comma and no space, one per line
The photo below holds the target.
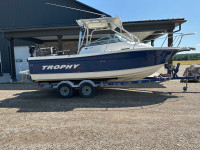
143,116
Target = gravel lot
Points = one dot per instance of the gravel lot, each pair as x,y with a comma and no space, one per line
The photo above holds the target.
144,116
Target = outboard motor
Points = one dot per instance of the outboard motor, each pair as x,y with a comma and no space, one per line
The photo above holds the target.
31,50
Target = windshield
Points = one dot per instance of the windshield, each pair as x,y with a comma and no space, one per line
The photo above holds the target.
113,38
120,38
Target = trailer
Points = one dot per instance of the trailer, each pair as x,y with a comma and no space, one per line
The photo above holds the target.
86,88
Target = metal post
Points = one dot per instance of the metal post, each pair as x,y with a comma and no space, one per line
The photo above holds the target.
87,37
59,42
0,66
170,44
80,35
152,43
12,55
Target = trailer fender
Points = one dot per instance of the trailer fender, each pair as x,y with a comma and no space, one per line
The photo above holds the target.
87,81
67,82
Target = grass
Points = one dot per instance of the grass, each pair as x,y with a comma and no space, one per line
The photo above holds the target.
188,62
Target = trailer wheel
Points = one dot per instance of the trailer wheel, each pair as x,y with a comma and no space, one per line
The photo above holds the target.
65,90
86,90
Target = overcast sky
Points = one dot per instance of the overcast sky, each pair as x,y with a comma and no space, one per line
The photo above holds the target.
134,10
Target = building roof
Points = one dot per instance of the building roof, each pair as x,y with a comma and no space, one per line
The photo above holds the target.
146,30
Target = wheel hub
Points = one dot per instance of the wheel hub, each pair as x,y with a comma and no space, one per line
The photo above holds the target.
86,90
64,90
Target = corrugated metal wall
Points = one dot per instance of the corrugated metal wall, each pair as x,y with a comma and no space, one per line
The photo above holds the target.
36,14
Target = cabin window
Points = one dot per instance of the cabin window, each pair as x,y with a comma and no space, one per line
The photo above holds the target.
113,38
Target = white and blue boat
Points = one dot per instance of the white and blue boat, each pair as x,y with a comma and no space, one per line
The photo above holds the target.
115,57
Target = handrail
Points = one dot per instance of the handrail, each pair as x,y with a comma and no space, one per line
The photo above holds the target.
177,38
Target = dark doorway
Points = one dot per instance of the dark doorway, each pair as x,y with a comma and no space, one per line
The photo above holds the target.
0,65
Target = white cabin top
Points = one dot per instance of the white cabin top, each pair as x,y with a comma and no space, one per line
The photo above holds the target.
101,23
89,26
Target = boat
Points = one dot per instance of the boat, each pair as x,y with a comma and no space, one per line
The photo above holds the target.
118,56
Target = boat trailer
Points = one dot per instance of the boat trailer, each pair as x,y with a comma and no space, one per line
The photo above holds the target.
86,88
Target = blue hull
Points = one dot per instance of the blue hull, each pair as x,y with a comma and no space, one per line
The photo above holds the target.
100,63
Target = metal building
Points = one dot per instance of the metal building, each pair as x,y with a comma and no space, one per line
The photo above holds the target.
26,22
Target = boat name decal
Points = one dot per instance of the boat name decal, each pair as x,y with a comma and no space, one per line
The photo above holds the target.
55,67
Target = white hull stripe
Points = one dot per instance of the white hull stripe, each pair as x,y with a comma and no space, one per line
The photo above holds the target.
130,74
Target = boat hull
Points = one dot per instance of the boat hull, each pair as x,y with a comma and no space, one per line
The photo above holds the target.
119,75
122,66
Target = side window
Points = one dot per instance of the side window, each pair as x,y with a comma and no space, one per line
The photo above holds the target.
98,43
101,41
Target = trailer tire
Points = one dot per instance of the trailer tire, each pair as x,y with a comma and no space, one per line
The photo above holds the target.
86,90
65,90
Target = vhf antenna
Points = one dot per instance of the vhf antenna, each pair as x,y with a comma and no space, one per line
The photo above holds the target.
102,15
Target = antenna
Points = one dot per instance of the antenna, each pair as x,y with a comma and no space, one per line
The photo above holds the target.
102,15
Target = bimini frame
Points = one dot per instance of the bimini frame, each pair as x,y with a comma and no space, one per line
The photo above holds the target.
89,26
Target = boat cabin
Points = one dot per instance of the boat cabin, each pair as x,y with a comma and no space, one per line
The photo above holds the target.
113,42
